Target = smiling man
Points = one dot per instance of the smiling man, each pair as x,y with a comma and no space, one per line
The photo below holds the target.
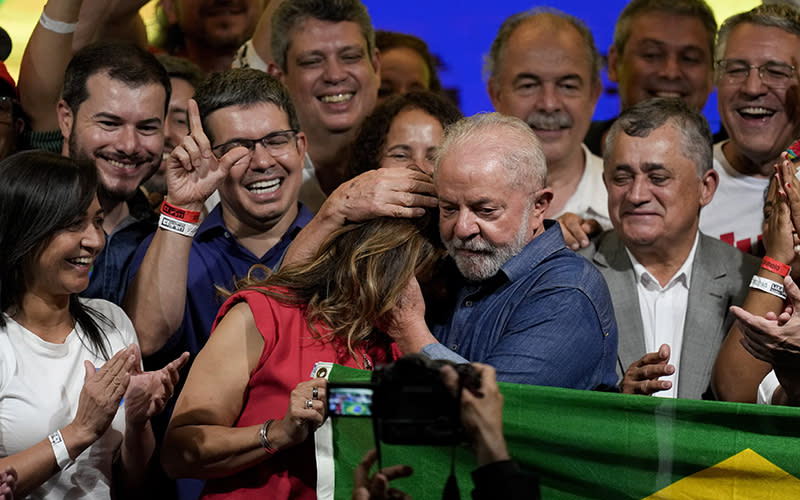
671,285
758,93
208,32
249,146
544,68
661,48
245,141
324,52
112,113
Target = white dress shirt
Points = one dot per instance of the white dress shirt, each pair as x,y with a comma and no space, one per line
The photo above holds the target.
663,311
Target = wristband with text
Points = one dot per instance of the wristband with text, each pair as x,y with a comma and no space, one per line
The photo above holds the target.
768,286
191,216
775,266
177,226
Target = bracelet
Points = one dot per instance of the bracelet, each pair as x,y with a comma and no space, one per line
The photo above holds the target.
177,226
768,286
60,450
181,214
262,436
56,26
775,266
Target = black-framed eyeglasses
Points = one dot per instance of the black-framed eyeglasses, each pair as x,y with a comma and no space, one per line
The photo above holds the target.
277,143
773,74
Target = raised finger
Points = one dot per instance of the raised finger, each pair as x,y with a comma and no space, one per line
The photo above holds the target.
196,128
192,148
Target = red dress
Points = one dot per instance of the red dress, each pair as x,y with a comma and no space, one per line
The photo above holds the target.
290,352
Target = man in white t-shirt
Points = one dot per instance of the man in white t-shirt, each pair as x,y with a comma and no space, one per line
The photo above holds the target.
670,284
757,53
543,68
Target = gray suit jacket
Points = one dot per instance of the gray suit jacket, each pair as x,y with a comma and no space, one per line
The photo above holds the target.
720,278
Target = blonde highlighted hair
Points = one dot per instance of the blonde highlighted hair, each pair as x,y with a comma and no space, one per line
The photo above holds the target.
355,278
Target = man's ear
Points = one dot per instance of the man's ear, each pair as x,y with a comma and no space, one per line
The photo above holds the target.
376,62
708,186
542,200
493,89
274,70
612,64
65,118
302,144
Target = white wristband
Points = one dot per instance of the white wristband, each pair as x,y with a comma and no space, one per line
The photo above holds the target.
177,226
60,450
768,286
56,26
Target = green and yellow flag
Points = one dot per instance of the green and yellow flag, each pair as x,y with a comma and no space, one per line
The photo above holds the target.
589,445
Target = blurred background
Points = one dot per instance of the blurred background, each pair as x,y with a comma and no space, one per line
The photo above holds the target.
459,32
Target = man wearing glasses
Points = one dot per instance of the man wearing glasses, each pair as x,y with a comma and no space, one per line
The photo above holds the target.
244,141
757,89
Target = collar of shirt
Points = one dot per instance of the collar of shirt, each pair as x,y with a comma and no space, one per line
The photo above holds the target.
547,243
214,224
682,276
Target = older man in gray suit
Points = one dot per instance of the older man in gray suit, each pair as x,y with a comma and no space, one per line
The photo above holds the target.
670,284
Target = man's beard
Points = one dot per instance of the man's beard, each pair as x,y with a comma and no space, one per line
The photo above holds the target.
489,260
104,192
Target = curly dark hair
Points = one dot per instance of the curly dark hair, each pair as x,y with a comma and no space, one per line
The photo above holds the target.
371,139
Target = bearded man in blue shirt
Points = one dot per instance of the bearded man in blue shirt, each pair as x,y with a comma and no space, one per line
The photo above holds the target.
525,303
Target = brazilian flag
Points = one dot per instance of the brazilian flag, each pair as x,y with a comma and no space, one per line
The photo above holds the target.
590,445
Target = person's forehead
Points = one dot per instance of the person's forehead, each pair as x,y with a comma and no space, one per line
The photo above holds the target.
662,146
745,35
105,93
314,34
673,29
246,122
536,36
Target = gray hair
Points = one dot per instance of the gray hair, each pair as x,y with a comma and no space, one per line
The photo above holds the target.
242,87
525,162
493,61
697,9
645,117
778,15
292,13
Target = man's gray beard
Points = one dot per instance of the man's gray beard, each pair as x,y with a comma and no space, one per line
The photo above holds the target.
485,265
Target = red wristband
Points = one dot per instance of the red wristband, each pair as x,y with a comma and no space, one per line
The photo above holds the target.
776,267
181,214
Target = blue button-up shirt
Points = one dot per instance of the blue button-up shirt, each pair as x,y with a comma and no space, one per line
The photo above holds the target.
546,319
216,259
108,278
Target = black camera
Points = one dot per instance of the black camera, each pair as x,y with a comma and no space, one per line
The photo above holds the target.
407,400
